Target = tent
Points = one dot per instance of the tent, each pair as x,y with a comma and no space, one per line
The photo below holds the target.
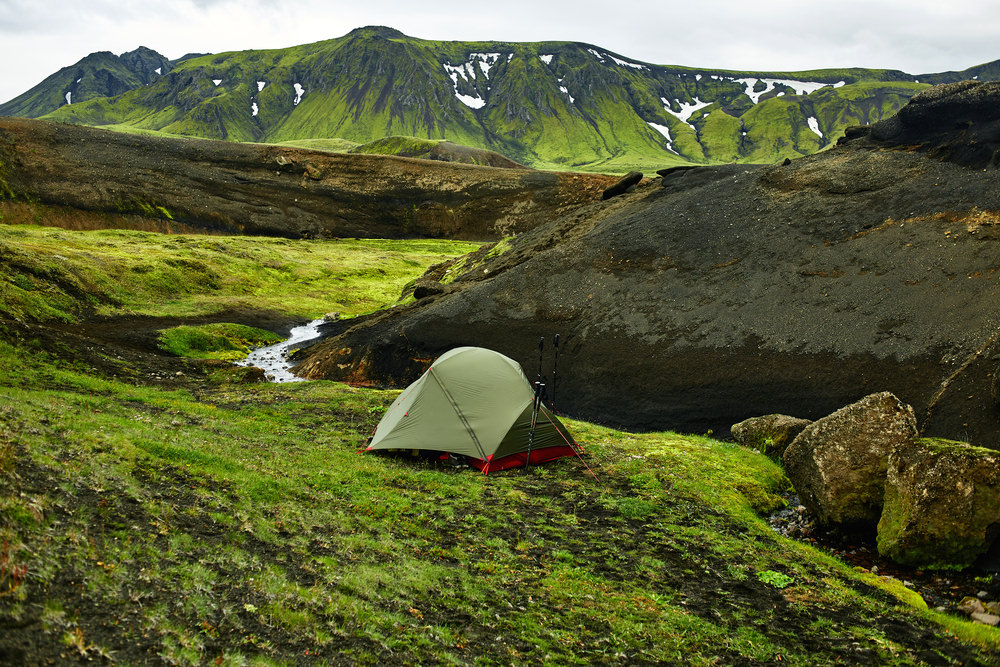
478,403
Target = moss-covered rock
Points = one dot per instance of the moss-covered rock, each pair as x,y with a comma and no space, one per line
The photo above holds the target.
942,504
838,463
769,434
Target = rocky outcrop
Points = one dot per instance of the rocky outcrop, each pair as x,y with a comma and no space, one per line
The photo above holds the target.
627,182
838,463
957,122
942,504
105,178
770,434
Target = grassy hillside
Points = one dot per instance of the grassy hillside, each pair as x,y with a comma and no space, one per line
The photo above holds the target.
197,520
553,105
51,274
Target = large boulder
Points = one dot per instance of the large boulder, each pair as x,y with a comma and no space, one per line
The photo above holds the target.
770,434
942,504
838,463
628,181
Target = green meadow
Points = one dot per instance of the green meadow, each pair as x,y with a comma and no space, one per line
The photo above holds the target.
209,521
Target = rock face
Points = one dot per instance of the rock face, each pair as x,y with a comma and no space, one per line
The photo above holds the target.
227,187
838,463
942,504
737,291
769,434
956,121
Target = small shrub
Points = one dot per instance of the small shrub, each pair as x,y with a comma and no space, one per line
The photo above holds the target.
776,579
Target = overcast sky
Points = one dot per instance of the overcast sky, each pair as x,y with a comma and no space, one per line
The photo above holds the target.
38,37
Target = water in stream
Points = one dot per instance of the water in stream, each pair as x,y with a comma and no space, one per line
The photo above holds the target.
274,358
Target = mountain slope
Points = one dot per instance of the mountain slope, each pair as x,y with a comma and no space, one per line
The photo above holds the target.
101,74
546,104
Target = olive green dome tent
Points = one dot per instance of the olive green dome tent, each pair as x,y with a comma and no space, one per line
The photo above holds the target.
478,403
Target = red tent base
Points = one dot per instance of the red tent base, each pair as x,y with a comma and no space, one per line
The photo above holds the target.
517,460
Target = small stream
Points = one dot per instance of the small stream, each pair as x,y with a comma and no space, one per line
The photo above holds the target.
273,359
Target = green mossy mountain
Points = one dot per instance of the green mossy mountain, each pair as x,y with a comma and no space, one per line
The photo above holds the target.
101,74
556,105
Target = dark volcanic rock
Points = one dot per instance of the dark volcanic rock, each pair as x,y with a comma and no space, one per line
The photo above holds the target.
189,184
956,121
739,291
627,181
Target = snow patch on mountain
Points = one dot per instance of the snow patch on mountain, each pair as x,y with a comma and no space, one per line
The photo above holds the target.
623,63
470,101
467,71
800,87
813,123
260,85
486,61
69,97
547,58
665,131
687,110
254,108
565,90
216,82
299,92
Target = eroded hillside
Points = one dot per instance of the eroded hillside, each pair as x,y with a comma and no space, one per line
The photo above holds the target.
108,179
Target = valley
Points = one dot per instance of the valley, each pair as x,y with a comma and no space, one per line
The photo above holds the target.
785,244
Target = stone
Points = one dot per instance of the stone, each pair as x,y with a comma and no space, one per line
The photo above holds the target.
769,434
426,289
942,504
986,619
971,605
627,181
838,463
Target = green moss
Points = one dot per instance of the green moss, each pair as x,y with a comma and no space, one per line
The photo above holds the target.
47,273
895,588
945,446
228,342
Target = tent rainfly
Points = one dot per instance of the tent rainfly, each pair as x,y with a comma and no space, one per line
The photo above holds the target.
478,403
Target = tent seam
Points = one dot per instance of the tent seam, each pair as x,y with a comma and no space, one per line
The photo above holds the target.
458,411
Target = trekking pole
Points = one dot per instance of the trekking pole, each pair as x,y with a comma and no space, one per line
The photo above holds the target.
555,367
534,420
541,346
534,401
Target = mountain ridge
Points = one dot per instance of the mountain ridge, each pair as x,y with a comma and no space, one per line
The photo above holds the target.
549,104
